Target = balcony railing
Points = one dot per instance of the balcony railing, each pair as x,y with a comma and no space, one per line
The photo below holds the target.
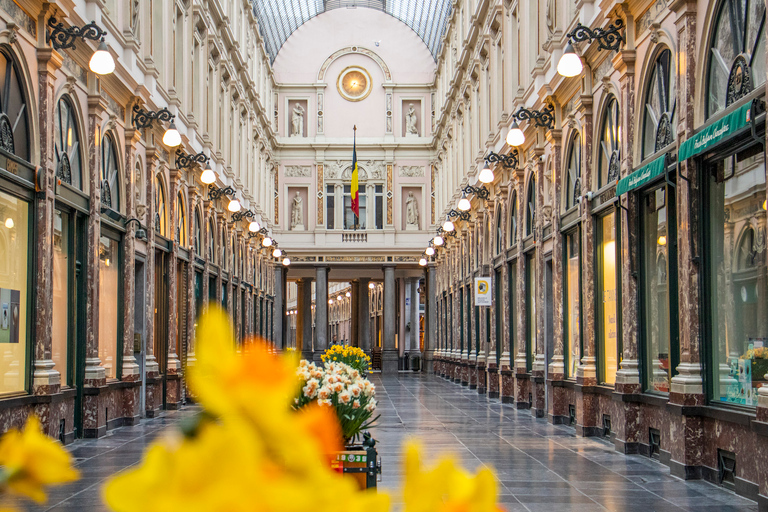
354,237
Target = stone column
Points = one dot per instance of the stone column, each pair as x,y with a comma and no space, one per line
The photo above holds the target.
304,318
539,367
130,368
46,378
173,364
353,326
430,333
278,315
389,353
522,380
321,312
414,315
364,312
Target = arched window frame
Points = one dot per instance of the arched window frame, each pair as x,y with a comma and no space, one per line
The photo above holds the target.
198,233
530,208
212,241
659,105
161,207
111,196
14,112
734,72
182,231
609,148
513,234
67,147
573,172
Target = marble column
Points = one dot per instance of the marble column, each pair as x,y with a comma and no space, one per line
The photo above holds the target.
321,312
130,368
430,333
389,354
364,312
46,378
278,315
173,364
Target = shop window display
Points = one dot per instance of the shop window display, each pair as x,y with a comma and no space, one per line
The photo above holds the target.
109,282
607,298
572,303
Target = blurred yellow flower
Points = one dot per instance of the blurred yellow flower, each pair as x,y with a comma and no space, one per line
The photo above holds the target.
446,487
31,460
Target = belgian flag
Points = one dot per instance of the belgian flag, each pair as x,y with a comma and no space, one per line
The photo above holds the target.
354,188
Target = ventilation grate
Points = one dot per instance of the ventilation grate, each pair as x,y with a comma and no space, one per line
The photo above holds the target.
654,441
571,414
726,469
606,425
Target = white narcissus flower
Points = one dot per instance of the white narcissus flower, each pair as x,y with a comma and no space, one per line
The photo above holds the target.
324,402
370,406
310,390
324,393
338,387
356,404
345,397
355,390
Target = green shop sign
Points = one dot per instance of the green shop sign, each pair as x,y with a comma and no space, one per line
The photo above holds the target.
715,132
641,176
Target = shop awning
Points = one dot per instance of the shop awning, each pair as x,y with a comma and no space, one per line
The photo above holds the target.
641,176
715,132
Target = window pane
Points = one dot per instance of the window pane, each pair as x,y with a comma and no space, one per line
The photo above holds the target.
738,280
530,291
61,315
573,312
14,250
655,291
379,211
109,276
512,313
329,203
608,298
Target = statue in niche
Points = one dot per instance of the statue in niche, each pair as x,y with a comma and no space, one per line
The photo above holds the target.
410,122
297,121
297,213
550,16
135,18
411,213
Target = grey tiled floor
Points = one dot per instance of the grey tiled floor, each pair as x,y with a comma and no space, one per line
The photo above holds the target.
540,467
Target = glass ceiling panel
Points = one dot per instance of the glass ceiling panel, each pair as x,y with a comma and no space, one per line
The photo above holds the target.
278,19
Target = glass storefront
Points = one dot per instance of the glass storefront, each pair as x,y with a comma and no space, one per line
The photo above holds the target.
572,304
14,278
109,283
512,273
737,277
657,288
61,300
607,298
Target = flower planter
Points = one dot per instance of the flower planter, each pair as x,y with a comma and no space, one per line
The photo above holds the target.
359,462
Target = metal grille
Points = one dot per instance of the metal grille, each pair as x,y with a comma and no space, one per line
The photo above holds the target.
278,19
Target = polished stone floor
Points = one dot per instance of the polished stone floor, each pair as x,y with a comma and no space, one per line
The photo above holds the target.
540,467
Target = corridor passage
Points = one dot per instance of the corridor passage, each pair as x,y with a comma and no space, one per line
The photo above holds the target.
541,467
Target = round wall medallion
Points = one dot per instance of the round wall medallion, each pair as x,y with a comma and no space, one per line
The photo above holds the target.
354,83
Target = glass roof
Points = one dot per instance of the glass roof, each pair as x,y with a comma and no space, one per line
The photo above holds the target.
279,18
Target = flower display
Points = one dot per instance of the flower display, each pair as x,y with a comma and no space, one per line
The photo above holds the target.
342,387
756,353
30,461
352,356
256,446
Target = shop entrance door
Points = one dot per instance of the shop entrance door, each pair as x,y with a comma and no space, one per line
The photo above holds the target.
161,314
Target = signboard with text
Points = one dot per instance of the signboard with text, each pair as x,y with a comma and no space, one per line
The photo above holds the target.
483,295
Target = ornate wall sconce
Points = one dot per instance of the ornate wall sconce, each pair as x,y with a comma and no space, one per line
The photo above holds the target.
62,38
144,119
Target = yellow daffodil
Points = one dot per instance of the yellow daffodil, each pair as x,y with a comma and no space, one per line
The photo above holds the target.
31,460
445,487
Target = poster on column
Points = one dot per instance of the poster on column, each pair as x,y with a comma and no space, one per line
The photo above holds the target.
483,295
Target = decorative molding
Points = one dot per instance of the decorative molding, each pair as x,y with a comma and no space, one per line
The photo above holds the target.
354,49
411,171
298,171
649,16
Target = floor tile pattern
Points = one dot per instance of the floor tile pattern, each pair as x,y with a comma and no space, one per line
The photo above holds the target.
540,467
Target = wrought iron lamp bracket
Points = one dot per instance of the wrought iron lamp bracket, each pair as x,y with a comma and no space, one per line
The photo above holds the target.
481,192
453,213
62,37
144,118
609,38
509,161
185,161
544,118
215,192
445,234
245,214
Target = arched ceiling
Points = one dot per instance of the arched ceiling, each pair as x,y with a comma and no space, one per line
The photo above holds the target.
278,19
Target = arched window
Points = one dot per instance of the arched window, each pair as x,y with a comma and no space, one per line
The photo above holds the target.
609,158
67,144
499,230
161,214
211,241
530,211
233,254
224,250
513,219
14,125
181,221
573,174
110,178
660,106
198,235
737,53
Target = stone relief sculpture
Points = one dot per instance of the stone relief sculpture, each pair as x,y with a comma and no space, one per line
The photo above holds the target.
376,170
411,171
135,17
411,213
297,121
298,171
410,122
550,16
297,213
